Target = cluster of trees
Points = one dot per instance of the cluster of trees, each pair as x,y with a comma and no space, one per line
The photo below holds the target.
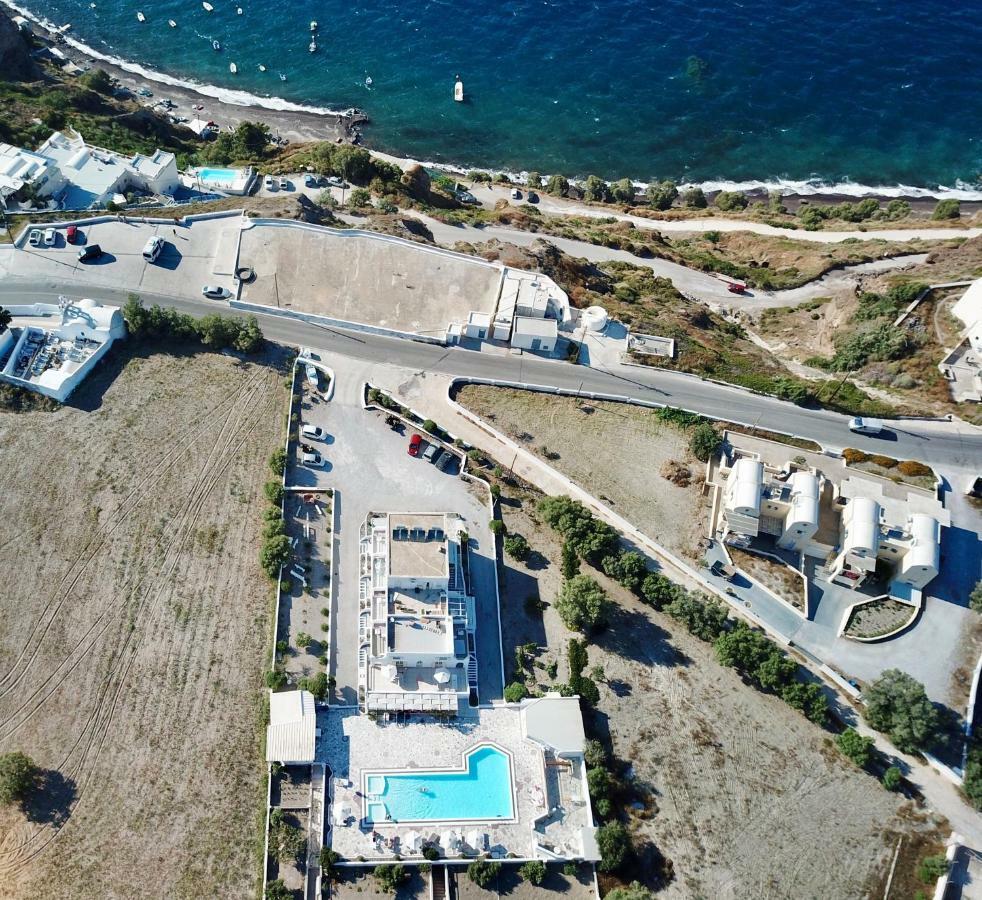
357,165
248,143
589,537
390,878
483,871
214,331
274,552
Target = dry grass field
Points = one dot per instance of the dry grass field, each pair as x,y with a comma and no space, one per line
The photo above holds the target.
134,627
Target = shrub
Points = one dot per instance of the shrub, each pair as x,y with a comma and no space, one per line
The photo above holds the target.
517,547
582,604
704,441
972,783
703,617
892,778
809,699
913,469
594,754
18,777
483,871
615,846
596,189
431,853
659,591
634,891
751,652
497,527
884,462
946,209
359,198
533,871
694,198
662,194
516,692
390,878
431,426
277,890
854,456
274,554
570,564
855,746
275,680
286,841
975,597
304,640
557,185
931,868
898,705
731,200
628,567
623,191
589,537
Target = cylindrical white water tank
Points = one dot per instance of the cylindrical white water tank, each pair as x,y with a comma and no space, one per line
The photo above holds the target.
595,318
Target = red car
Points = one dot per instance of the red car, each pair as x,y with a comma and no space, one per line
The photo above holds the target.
71,234
414,444
734,287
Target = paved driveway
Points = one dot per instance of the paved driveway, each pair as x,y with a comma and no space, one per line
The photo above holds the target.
370,471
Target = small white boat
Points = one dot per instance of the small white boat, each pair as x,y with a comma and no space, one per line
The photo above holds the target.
238,10
207,7
172,23
312,46
458,90
282,77
140,17
313,26
215,45
233,68
262,68
91,6
368,81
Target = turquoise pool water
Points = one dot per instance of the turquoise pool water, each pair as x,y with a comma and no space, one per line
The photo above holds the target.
219,176
481,792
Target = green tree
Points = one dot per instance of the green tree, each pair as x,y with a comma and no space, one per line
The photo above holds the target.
98,80
558,186
658,591
277,461
614,844
855,746
703,617
634,891
570,564
931,868
623,191
946,209
582,604
516,692
18,777
483,871
304,640
975,598
534,181
596,189
694,198
390,878
273,554
497,527
534,871
517,547
277,890
898,705
892,778
662,194
594,754
704,441
328,861
589,537
731,200
274,492
251,139
359,198
808,698
250,338
898,209
629,568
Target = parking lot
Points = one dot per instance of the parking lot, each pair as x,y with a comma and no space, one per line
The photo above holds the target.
368,467
193,255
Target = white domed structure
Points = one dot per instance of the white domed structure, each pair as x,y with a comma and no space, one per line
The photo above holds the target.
594,318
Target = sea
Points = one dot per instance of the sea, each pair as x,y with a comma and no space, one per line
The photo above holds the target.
854,96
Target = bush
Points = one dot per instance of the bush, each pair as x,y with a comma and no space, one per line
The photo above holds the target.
274,492
557,186
975,597
854,456
855,746
634,891
892,778
594,754
274,553
431,853
623,191
275,680
516,692
277,461
497,527
946,209
570,564
286,842
884,462
517,547
615,846
752,653
629,568
589,537
972,783
277,890
694,198
596,189
18,777
898,705
431,426
304,640
809,699
658,591
582,604
218,332
705,618
390,878
931,868
483,871
913,469
533,871
662,194
704,441
731,200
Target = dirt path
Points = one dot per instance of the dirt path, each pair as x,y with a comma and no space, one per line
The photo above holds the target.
131,670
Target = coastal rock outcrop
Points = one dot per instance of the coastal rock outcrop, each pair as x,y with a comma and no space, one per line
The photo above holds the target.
16,63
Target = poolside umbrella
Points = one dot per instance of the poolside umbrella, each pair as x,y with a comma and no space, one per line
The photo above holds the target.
449,840
475,839
441,676
413,839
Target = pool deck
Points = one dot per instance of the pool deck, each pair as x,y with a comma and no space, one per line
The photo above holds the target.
352,745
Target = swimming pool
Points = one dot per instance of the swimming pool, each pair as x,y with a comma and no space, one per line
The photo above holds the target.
219,176
481,791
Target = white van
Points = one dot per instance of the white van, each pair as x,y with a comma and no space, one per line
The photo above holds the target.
152,249
865,426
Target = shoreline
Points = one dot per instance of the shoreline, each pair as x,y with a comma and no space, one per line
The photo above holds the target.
298,123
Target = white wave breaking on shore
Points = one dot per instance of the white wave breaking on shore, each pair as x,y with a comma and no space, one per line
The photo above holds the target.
802,187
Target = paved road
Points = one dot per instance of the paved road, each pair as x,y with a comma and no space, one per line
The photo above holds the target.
954,447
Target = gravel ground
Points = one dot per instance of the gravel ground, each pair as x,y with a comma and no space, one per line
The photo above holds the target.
135,630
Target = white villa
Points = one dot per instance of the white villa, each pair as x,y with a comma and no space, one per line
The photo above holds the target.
291,735
416,625
849,523
963,365
69,173
52,348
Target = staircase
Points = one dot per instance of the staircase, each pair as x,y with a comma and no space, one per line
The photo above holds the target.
439,883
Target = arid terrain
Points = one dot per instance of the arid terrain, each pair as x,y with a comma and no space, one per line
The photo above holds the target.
135,627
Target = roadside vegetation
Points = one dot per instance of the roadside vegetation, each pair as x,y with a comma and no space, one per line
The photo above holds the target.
213,331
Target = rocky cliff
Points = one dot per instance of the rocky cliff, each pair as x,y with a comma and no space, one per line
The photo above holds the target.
16,63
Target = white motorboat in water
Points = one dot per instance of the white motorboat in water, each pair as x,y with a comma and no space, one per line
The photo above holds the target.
282,77
313,26
172,23
207,7
140,17
215,45
262,68
368,81
238,10
458,90
312,46
233,68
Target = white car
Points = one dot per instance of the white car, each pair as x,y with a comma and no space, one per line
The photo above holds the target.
312,375
215,293
35,238
284,184
49,237
313,460
865,426
314,432
269,183
516,194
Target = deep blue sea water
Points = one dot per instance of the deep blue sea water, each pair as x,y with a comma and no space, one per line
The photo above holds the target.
876,93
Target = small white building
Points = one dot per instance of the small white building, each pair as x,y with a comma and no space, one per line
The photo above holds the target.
26,171
52,348
538,335
530,296
291,736
962,366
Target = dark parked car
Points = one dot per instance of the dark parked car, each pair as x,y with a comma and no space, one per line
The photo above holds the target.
89,253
